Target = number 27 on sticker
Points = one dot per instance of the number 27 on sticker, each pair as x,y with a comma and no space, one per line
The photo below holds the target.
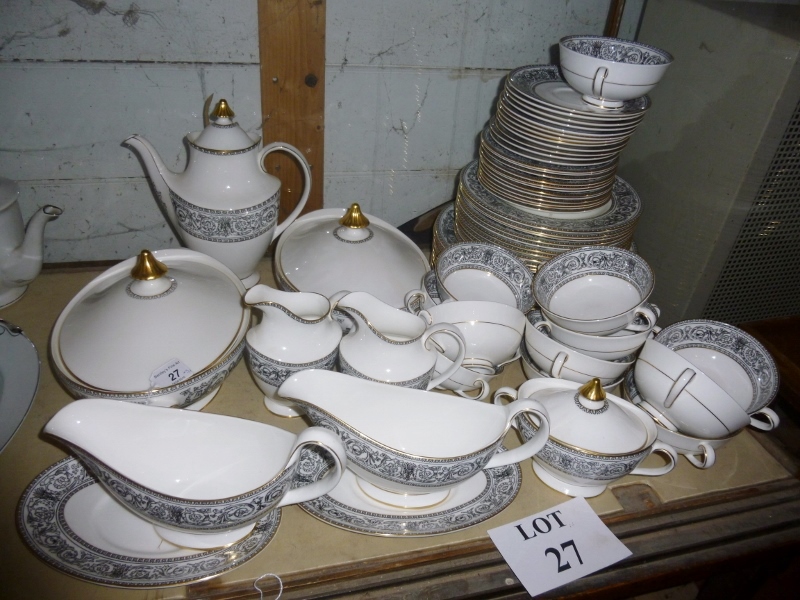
564,565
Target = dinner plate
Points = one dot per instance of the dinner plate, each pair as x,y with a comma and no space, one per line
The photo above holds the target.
19,379
472,502
74,525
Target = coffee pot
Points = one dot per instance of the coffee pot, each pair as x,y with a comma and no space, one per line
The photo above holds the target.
20,247
224,203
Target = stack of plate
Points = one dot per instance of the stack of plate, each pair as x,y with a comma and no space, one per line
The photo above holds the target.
545,181
480,216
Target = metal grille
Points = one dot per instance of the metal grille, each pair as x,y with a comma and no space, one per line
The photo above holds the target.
761,276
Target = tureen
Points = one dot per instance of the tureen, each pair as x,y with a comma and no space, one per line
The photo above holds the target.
163,328
330,250
595,438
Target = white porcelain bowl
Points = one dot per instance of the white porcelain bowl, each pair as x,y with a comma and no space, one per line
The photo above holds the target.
685,397
608,71
698,451
607,347
562,362
531,371
492,331
142,334
475,271
470,376
595,289
732,358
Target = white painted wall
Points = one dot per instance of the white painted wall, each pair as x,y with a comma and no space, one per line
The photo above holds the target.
409,85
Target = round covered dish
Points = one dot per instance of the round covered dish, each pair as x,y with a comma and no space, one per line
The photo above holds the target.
595,437
332,250
163,328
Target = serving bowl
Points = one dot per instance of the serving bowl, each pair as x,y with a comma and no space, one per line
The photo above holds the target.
448,441
595,438
596,290
608,71
163,328
476,271
202,479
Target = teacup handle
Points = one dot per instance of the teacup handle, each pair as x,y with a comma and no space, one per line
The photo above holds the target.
653,332
516,356
706,457
533,445
481,395
273,147
678,386
647,314
774,419
667,451
324,438
558,364
455,332
598,81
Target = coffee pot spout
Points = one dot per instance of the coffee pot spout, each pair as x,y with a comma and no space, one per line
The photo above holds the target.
163,179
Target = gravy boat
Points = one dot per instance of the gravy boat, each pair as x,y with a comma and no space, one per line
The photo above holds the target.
202,479
410,447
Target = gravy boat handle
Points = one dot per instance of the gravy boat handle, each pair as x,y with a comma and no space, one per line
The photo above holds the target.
317,436
533,445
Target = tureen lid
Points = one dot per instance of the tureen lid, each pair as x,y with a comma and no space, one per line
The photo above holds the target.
141,315
586,417
223,133
330,250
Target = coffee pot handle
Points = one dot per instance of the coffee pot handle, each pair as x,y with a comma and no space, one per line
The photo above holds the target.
273,147
323,438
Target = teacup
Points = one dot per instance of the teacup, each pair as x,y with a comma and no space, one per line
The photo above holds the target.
732,358
608,71
492,331
476,271
685,397
202,479
562,362
595,289
607,347
412,462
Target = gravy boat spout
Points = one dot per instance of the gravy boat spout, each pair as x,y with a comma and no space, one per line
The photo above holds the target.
405,441
202,479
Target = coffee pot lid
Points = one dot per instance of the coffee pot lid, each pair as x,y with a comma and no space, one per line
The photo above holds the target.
222,134
587,418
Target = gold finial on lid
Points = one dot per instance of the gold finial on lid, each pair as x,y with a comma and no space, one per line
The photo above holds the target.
354,218
593,390
148,267
223,110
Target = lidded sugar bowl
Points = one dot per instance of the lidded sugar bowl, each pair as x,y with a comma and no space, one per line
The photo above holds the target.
595,438
163,328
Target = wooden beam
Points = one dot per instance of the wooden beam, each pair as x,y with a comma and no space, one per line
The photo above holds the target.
291,37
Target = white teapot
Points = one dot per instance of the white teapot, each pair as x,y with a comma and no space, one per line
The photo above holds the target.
224,204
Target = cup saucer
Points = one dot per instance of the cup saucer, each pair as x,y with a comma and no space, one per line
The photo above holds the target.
73,524
470,503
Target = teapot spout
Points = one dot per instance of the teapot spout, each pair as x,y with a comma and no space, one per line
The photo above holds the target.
25,262
159,174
